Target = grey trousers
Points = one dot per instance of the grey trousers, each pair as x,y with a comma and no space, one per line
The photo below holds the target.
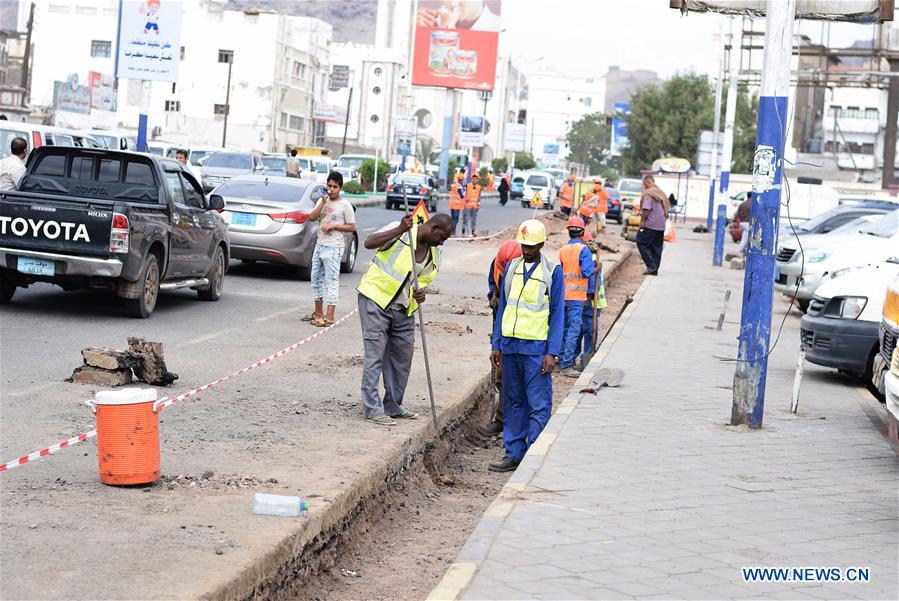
469,220
389,341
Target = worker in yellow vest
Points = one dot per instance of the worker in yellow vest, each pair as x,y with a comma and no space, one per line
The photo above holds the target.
387,305
577,266
472,205
566,196
527,338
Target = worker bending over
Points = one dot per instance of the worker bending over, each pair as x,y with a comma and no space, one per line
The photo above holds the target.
577,266
527,338
387,304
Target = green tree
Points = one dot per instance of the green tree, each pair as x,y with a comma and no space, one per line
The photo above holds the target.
423,149
588,143
367,170
482,174
500,165
667,121
524,160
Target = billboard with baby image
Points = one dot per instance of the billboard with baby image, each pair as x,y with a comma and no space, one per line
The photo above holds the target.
456,43
149,40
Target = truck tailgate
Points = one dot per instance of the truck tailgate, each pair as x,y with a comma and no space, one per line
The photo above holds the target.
58,229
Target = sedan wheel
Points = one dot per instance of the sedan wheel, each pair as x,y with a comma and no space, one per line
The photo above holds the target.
348,265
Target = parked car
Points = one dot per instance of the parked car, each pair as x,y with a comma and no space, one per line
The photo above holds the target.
317,168
43,135
631,190
798,274
267,220
197,155
615,213
516,188
841,327
163,149
128,221
559,175
886,366
542,183
274,164
115,139
219,167
418,187
348,173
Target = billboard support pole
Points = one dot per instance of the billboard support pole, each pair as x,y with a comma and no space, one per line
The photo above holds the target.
142,118
346,122
764,218
447,137
713,170
728,150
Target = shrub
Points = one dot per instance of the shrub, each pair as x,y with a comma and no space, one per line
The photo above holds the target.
352,187
367,170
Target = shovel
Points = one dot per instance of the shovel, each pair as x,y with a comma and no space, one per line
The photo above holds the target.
494,406
607,376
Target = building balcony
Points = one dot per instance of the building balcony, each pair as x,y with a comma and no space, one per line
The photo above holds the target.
849,125
861,161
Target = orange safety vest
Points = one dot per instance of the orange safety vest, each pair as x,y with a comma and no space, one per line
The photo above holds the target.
456,202
566,195
473,196
594,203
575,282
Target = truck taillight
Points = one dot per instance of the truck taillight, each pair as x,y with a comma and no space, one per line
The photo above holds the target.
294,216
118,234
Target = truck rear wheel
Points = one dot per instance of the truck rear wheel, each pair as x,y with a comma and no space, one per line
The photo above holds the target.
7,289
216,277
143,305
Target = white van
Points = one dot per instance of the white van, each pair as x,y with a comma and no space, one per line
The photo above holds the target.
42,135
543,183
115,139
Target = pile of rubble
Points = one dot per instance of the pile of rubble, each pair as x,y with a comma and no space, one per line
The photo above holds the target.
142,360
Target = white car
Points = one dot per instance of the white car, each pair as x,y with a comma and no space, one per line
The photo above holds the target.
543,183
798,274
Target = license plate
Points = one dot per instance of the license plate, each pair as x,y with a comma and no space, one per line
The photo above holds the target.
243,219
33,266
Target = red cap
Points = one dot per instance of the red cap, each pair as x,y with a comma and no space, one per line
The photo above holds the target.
575,221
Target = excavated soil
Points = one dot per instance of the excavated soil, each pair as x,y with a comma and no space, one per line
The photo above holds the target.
400,544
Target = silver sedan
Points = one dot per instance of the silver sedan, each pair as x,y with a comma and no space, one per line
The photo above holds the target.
268,220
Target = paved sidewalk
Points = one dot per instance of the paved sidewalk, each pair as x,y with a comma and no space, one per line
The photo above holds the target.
645,492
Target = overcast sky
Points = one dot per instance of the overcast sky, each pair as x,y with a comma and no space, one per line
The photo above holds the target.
633,34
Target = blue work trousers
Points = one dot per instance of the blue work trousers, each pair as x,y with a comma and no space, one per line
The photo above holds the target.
585,340
527,402
574,311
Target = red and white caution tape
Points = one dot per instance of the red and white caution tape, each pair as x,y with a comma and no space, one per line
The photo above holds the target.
167,402
499,233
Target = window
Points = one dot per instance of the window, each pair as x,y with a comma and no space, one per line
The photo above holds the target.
109,171
62,9
226,56
194,197
299,69
182,56
219,109
86,10
53,165
173,106
424,118
101,48
835,110
284,120
871,113
375,118
852,112
173,183
139,173
378,71
588,101
296,122
867,148
82,168
376,90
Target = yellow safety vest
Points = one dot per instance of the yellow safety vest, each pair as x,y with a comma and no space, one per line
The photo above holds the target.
526,315
390,269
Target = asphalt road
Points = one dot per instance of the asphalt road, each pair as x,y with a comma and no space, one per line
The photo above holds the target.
44,329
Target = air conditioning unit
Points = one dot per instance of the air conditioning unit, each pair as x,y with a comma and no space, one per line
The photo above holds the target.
156,132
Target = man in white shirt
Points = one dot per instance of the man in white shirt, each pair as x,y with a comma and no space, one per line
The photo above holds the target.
181,157
12,168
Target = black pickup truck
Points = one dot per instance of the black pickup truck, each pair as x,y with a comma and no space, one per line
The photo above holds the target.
132,222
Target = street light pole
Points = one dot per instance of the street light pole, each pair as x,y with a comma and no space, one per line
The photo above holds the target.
228,57
767,177
713,170
728,150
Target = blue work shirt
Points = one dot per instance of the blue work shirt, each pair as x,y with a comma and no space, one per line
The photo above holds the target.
588,265
553,344
491,285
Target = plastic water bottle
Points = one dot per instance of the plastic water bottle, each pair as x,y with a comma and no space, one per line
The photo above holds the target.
264,504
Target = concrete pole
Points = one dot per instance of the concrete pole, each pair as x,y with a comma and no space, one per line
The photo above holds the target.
713,170
767,176
728,150
889,142
447,137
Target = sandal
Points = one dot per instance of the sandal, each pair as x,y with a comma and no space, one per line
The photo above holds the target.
309,317
327,321
319,321
381,420
405,415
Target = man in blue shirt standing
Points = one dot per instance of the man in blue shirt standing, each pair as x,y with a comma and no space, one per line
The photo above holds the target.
577,267
527,338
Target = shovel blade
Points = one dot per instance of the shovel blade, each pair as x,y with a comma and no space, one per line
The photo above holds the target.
609,376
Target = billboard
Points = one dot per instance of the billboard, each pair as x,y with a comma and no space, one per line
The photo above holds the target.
515,134
404,134
551,153
149,40
471,130
620,111
456,44
71,96
104,91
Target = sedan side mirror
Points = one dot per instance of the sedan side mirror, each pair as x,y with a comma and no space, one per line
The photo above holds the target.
216,202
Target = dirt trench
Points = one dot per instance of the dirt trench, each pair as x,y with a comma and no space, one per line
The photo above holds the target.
398,543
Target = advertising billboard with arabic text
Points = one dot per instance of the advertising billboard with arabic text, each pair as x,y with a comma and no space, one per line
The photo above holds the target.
149,40
456,43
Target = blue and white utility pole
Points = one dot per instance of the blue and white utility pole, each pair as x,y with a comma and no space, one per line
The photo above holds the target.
142,119
727,152
447,141
767,175
713,169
